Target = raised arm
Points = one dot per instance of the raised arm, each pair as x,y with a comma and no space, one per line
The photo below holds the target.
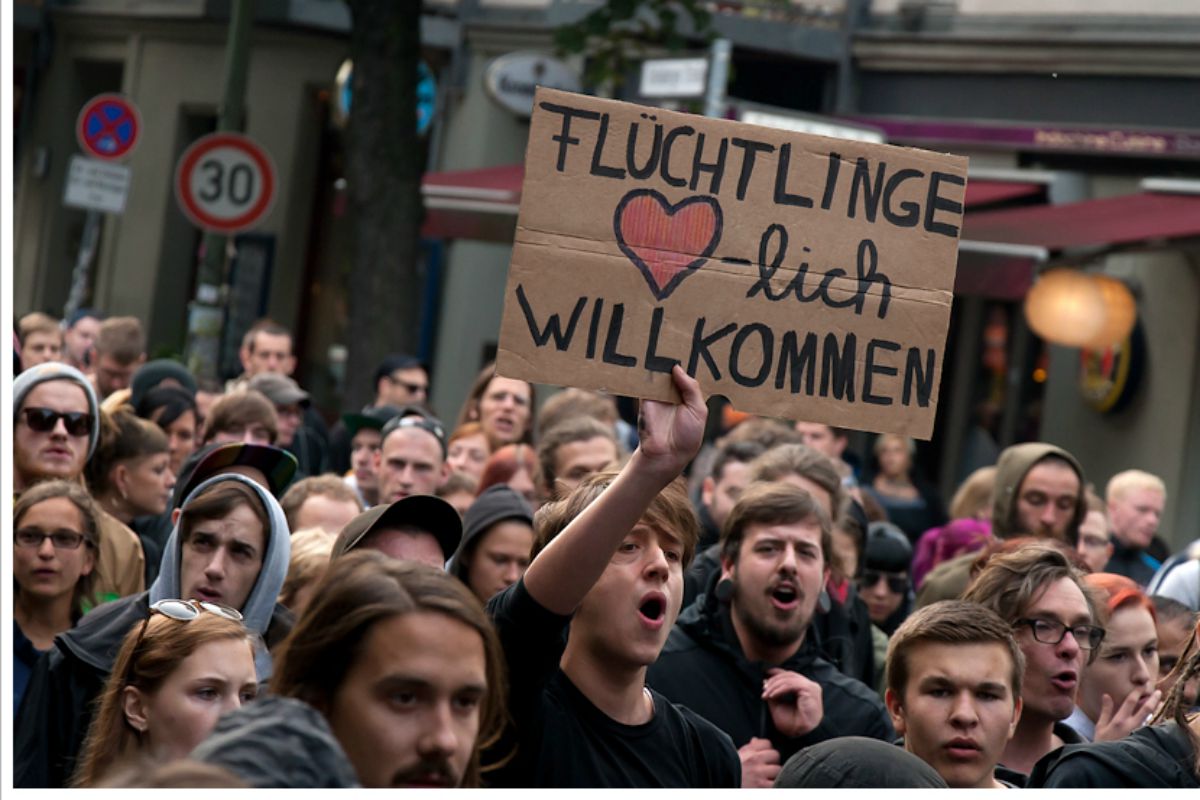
671,433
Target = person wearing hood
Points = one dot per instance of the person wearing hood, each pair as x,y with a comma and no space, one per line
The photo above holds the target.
230,545
745,656
497,541
1039,492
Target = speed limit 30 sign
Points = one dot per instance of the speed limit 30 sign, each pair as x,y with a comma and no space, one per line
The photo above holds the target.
225,182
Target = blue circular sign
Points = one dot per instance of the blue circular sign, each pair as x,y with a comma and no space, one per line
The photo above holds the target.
108,126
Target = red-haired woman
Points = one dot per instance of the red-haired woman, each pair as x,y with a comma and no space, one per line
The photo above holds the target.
515,465
1116,691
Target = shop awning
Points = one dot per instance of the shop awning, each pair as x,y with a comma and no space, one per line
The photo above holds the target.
478,204
985,192
1127,219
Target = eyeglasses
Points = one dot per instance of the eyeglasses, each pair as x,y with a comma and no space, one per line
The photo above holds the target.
44,420
32,538
181,611
896,583
1048,631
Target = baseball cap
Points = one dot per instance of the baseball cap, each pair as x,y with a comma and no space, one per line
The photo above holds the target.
153,373
277,464
279,389
374,417
424,511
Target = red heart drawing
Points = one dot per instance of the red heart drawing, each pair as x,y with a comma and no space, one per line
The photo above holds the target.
666,242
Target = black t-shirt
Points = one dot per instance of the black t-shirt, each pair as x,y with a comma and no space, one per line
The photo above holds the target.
564,741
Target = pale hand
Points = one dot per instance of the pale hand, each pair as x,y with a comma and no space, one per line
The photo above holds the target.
1132,714
795,702
760,764
670,434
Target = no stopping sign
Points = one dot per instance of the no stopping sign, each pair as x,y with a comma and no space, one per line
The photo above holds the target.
225,182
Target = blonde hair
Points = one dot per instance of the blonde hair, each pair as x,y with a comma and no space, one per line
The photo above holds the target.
311,549
975,495
1124,482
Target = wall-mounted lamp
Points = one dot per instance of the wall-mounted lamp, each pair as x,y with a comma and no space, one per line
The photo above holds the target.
1077,309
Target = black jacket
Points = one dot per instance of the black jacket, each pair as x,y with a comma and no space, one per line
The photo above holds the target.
1135,563
1153,757
844,631
703,667
53,720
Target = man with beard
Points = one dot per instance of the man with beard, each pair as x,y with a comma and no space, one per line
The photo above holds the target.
611,575
954,690
741,655
1037,590
1039,492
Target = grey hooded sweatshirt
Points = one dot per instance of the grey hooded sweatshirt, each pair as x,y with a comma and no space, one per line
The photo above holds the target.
55,713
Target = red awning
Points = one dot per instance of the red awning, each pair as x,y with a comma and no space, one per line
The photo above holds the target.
984,192
1111,221
478,204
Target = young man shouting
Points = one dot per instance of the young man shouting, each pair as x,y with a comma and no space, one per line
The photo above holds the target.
954,690
613,580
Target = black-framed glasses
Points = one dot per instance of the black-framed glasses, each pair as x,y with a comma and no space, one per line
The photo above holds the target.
32,538
44,420
895,583
1049,631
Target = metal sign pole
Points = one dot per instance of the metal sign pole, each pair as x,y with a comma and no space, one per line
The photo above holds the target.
81,275
718,77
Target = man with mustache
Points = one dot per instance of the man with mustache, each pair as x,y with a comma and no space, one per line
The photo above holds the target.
1039,492
954,690
741,655
1041,595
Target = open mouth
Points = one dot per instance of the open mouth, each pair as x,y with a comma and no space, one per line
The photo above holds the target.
785,597
1065,681
653,610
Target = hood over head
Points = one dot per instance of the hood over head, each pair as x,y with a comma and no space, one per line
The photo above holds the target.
1015,462
260,605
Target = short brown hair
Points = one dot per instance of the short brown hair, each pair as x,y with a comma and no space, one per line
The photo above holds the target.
950,622
569,431
310,555
330,486
571,403
121,339
37,322
123,436
267,326
799,459
360,589
239,409
670,511
764,430
219,499
458,482
773,504
1009,581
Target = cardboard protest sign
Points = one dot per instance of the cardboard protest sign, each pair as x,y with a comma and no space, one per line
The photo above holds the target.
800,276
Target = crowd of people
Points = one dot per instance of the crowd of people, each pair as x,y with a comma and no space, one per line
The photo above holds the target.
214,586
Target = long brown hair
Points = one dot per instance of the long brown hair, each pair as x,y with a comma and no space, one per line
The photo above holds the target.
470,409
1176,706
145,661
363,588
84,596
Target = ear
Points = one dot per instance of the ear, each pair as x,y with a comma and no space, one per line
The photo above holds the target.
133,703
244,354
707,489
896,712
89,562
175,513
120,478
1108,550
289,365
445,474
1017,708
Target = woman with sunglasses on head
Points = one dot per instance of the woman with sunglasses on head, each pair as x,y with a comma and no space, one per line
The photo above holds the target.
175,675
54,557
131,478
1116,689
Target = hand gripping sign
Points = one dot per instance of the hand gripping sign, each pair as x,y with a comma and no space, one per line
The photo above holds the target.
800,276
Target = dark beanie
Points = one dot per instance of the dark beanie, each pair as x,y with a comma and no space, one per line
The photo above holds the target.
886,548
494,504
855,762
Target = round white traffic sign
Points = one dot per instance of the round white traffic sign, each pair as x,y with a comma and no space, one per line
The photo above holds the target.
225,182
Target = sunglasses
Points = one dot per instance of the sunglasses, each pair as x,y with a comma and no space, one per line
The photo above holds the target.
895,583
44,420
411,388
181,611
